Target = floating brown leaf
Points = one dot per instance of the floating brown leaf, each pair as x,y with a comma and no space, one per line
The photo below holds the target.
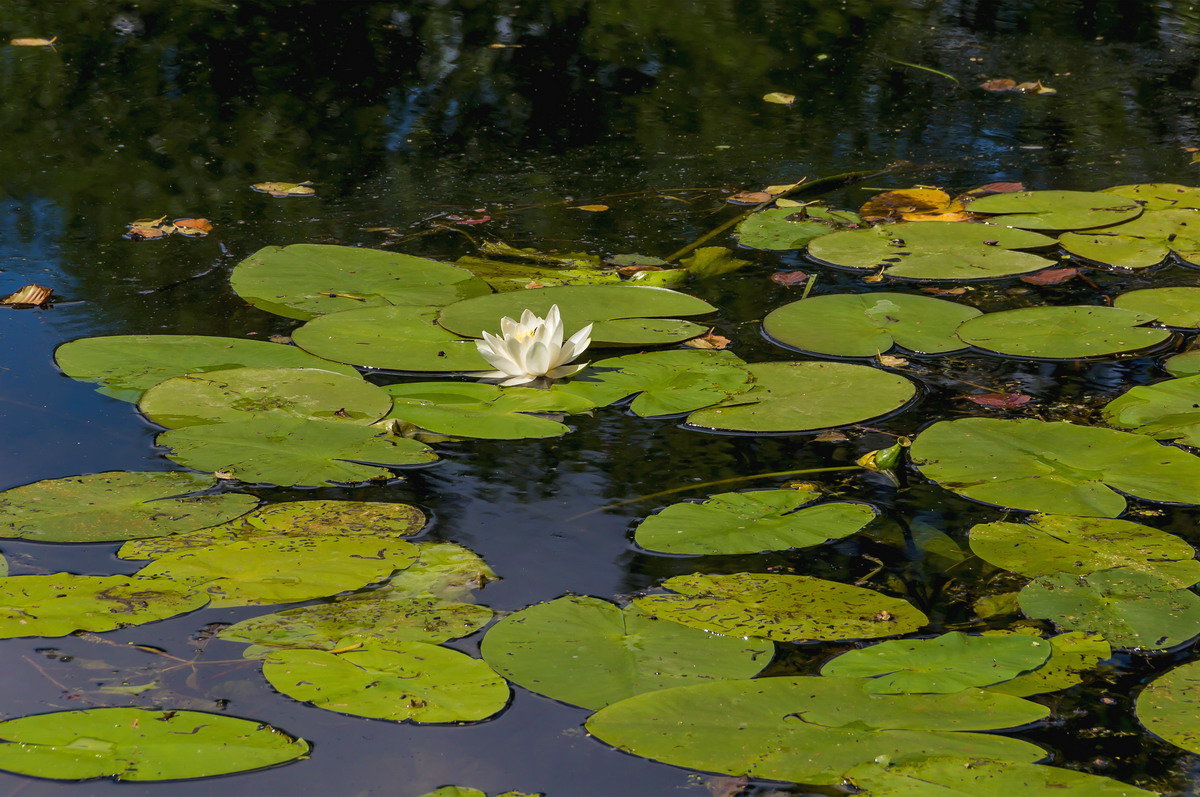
591,208
29,296
1034,87
789,279
891,360
192,228
285,189
998,84
1001,401
149,229
989,189
914,204
749,198
708,340
1051,276
945,291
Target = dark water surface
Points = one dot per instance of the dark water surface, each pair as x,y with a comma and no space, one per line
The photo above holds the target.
401,111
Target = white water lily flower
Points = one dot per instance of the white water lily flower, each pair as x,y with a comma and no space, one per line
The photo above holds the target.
531,348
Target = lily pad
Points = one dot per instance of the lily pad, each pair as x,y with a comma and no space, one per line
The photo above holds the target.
1050,544
809,730
504,276
942,665
666,382
474,410
307,280
238,394
1128,608
783,608
392,338
443,570
864,325
1062,333
411,681
116,505
763,520
1056,210
1146,241
1159,196
1167,410
623,315
1170,706
1053,467
1175,307
1071,655
590,653
1185,364
806,396
792,228
60,604
277,570
138,744
705,263
293,451
126,365
934,250
963,777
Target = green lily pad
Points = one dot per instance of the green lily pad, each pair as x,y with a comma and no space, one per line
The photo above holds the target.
1169,706
1128,608
783,608
666,382
307,280
963,777
293,451
471,410
809,730
116,505
392,338
1159,196
138,744
763,520
383,623
709,261
504,276
1056,210
238,394
126,365
588,652
1053,467
443,570
1146,241
411,681
62,603
1050,544
1167,410
282,570
1071,655
949,663
1185,364
934,250
792,228
1062,333
1175,307
623,315
806,396
867,324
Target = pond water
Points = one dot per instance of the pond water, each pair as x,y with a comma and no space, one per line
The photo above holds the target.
401,113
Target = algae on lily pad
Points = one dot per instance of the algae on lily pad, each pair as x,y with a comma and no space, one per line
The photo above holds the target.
810,730
867,324
665,382
1175,307
1159,196
1071,655
750,522
307,280
972,777
126,365
293,451
116,505
792,228
1167,410
1050,544
1053,466
465,409
140,744
63,603
783,608
807,396
391,338
1169,706
949,663
1146,241
934,250
1128,608
239,394
1056,210
409,681
1062,333
443,570
590,653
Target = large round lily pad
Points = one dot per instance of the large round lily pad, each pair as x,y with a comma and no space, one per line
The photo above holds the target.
590,653
1062,333
763,520
1071,655
62,603
1170,706
809,730
783,608
666,382
240,394
116,505
464,409
1050,544
443,570
1146,241
1184,364
1167,410
1128,608
1053,467
412,681
806,396
934,250
1159,196
392,338
126,365
623,315
792,228
1056,210
139,744
949,663
1175,307
293,451
961,777
866,324
306,280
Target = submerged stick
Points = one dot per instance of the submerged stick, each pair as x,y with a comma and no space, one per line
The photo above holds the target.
923,69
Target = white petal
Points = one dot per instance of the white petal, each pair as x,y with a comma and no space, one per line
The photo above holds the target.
577,343
516,353
528,319
507,326
537,360
517,380
555,326
498,359
566,370
487,375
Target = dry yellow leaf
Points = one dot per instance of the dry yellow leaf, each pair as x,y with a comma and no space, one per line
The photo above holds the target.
779,98
591,208
285,189
914,204
33,42
30,295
